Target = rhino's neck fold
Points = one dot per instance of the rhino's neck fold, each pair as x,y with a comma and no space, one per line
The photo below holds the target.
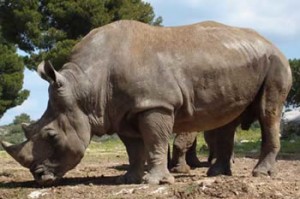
93,96
97,125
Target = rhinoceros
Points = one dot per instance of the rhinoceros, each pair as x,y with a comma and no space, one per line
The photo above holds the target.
184,153
144,83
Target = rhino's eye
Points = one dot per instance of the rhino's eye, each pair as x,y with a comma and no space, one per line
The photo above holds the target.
51,134
58,84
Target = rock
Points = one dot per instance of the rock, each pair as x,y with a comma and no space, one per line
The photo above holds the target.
290,123
160,190
124,191
38,193
245,141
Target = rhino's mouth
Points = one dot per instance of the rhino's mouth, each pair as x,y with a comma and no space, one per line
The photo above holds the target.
45,176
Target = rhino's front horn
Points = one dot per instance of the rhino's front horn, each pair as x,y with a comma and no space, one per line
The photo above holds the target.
18,152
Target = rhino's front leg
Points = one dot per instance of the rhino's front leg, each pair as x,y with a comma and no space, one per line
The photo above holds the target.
156,127
136,155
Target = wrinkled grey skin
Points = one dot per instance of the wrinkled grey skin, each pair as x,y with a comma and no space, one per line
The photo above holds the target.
146,82
184,153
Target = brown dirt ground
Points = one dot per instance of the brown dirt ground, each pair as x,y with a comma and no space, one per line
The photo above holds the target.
95,177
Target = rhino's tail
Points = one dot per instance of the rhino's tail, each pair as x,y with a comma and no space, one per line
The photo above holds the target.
169,157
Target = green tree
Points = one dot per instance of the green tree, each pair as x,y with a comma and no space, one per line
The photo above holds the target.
11,77
15,134
22,118
293,98
48,29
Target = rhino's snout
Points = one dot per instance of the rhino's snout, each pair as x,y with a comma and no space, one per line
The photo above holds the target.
44,177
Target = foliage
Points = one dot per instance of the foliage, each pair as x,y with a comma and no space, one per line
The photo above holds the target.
249,142
11,77
246,142
13,134
108,144
22,118
293,98
291,145
48,29
253,134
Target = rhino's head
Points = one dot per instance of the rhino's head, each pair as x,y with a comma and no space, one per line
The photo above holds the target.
57,141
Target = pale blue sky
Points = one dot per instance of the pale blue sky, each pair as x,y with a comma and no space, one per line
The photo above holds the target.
277,20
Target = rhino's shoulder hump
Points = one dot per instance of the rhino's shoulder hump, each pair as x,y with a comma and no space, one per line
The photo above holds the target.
212,24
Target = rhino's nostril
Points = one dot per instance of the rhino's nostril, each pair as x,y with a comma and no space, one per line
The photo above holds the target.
45,179
44,176
38,174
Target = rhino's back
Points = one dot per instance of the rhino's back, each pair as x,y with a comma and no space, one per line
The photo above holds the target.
205,72
126,37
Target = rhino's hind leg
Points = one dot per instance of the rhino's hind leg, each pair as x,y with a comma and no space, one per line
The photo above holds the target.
274,93
270,144
191,155
184,152
270,147
156,126
222,149
136,155
209,137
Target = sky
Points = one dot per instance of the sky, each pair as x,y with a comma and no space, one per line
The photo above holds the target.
277,20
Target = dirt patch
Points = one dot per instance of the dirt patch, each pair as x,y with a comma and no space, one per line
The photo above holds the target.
95,177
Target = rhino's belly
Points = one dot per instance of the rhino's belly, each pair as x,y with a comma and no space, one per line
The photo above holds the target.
209,117
213,102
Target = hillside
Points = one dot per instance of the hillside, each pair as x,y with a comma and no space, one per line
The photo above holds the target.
11,133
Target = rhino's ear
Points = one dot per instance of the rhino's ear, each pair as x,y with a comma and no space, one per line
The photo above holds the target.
28,130
48,73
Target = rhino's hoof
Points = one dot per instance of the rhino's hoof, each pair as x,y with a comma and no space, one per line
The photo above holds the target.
129,178
199,164
181,169
158,179
194,163
216,170
263,172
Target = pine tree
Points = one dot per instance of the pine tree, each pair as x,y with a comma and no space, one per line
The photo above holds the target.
48,29
11,77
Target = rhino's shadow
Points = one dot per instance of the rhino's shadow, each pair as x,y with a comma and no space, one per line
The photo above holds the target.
125,167
73,181
24,184
68,181
122,167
